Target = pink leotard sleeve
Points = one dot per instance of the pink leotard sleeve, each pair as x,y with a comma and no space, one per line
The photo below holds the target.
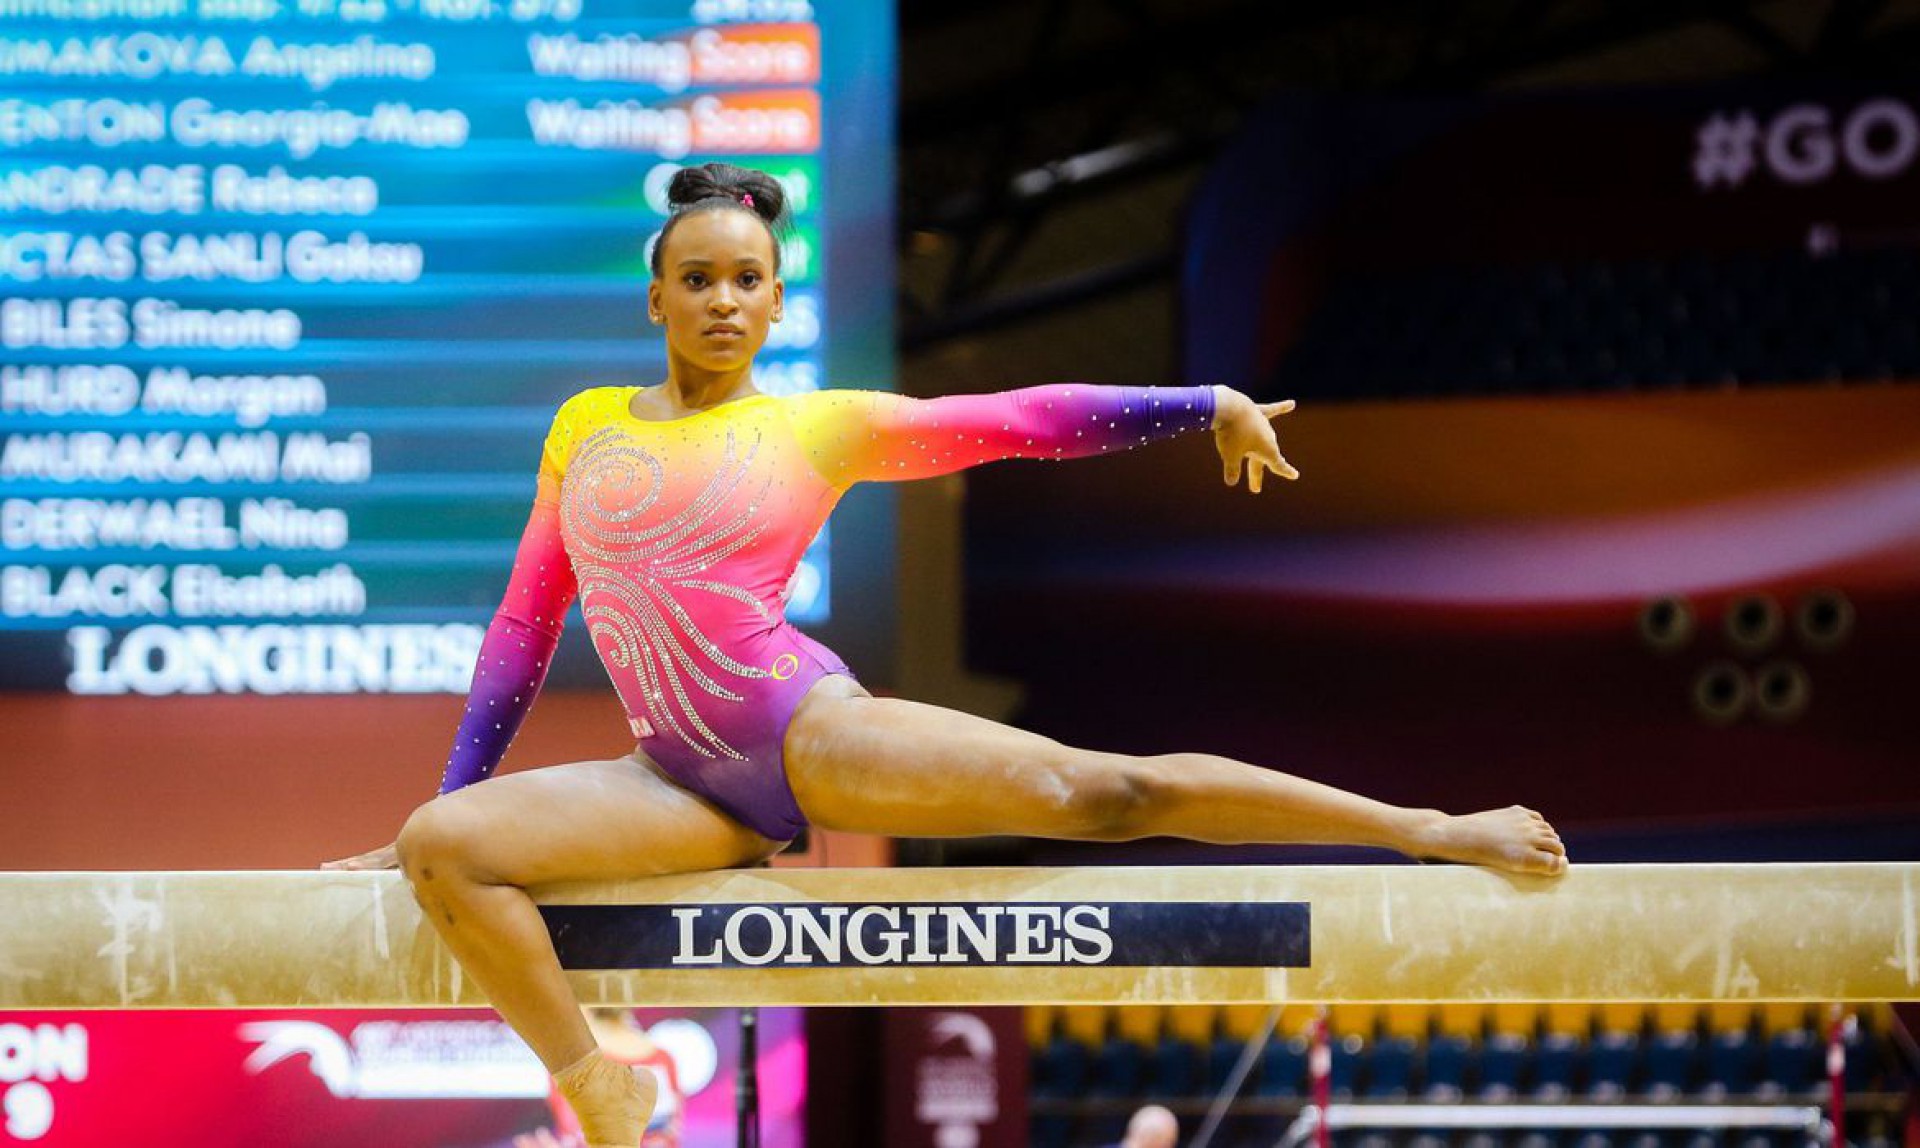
863,436
518,648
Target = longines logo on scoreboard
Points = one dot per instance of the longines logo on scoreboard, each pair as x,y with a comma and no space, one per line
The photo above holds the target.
1223,934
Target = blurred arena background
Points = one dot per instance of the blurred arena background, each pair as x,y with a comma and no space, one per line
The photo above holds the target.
1604,321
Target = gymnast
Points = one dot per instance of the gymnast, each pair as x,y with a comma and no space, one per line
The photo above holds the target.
677,513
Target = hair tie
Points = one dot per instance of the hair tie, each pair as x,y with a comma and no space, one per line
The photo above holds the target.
746,199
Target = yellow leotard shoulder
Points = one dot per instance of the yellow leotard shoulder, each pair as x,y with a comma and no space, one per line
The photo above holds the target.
579,416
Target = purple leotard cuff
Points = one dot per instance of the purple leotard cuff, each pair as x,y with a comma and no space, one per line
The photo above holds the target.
513,663
1170,411
1074,420
518,647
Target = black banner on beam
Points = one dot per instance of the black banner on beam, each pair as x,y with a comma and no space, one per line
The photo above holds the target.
1026,934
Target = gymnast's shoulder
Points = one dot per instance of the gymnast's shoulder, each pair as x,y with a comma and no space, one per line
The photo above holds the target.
582,413
595,404
826,402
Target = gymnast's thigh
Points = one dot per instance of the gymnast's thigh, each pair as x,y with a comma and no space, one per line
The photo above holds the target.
907,769
590,820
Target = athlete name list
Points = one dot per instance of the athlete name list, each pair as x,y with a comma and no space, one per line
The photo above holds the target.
260,266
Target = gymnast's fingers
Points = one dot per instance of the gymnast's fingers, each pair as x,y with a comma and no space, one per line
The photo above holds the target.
1275,410
1268,457
385,857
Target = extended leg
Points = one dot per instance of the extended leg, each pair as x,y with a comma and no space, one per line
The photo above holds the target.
470,855
884,765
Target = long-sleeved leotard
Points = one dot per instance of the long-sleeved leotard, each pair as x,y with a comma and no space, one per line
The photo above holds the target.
680,536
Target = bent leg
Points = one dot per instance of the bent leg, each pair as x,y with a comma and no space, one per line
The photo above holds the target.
470,854
890,766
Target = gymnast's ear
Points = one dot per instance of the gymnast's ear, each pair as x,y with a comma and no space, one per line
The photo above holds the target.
656,313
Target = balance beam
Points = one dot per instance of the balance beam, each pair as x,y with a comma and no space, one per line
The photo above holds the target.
1389,933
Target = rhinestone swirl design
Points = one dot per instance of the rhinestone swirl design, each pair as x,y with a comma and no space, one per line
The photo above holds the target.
636,564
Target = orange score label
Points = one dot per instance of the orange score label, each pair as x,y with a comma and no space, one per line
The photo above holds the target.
778,122
756,54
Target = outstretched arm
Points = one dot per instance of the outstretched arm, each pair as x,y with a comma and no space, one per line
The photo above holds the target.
859,436
863,436
518,648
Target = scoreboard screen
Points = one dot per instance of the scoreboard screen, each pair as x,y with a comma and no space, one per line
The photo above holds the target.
291,289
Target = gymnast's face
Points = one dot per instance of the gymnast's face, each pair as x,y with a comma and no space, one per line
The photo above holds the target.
717,293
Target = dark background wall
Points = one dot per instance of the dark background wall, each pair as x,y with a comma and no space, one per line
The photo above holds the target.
1051,159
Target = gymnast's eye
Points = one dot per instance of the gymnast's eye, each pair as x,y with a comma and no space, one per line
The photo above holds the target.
695,279
749,279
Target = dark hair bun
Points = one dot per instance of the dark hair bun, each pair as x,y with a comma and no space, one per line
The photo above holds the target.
720,187
694,185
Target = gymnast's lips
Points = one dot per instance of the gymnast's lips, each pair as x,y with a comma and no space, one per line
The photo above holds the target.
724,330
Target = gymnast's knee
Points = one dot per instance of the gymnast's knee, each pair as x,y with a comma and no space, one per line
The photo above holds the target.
434,843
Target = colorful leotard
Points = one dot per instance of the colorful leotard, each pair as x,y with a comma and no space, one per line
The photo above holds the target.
680,537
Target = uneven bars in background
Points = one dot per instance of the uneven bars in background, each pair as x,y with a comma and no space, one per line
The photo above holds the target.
1388,933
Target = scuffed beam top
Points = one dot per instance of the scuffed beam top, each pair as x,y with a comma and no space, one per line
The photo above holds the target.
1389,933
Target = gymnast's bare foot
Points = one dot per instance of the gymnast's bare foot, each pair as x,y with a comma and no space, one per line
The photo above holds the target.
1515,839
612,1101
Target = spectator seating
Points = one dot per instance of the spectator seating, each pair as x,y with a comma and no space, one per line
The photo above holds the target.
1092,1066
